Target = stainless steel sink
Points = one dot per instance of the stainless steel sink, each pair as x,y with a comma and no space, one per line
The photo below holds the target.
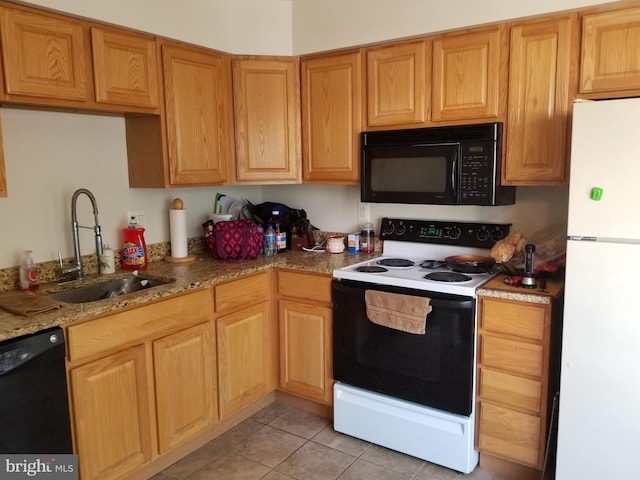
105,290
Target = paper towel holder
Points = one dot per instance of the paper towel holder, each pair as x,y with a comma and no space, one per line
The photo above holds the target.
178,204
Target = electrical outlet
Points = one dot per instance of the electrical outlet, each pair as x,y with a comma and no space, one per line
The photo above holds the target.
138,216
364,212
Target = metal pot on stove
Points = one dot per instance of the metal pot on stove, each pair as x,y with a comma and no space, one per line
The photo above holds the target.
471,264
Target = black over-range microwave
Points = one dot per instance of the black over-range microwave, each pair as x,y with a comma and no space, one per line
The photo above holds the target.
452,165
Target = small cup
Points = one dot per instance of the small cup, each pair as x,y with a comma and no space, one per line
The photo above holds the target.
335,244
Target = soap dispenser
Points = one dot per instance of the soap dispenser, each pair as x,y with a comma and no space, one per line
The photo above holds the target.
28,272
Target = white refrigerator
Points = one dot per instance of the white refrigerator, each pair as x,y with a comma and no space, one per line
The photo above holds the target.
599,414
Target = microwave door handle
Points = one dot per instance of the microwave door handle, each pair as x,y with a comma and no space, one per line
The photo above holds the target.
454,170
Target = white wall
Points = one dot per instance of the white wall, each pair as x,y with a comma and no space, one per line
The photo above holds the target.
320,25
335,208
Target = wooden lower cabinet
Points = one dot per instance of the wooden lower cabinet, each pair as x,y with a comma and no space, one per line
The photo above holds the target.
141,382
244,347
517,379
185,379
246,341
305,321
113,412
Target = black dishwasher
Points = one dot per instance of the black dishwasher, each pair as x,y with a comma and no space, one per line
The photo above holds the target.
34,410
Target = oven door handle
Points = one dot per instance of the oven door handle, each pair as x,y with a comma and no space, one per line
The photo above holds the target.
452,304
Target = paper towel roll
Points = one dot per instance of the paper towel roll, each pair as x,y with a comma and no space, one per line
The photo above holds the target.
178,228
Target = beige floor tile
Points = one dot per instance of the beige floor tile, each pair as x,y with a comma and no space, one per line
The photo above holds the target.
392,460
273,475
196,460
363,470
300,423
315,462
269,446
339,441
239,432
270,412
231,467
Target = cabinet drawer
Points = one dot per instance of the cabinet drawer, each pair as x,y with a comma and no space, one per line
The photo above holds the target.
514,318
508,434
131,326
505,354
305,286
508,389
242,292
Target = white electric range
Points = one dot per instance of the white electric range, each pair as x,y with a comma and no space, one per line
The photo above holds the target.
414,393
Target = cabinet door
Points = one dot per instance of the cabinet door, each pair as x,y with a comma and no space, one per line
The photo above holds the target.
332,118
197,87
44,56
185,379
397,85
266,94
306,350
245,352
542,75
610,62
470,76
125,68
112,414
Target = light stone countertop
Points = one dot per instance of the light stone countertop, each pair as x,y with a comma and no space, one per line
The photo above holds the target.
498,289
202,272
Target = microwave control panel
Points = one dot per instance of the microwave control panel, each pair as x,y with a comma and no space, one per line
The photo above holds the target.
477,173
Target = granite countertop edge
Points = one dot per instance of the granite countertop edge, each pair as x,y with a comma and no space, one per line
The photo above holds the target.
204,271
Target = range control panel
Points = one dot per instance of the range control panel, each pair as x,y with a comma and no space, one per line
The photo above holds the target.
467,234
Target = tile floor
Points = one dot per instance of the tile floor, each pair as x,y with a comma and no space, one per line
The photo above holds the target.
284,443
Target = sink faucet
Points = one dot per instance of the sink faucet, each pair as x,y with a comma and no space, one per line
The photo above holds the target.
77,264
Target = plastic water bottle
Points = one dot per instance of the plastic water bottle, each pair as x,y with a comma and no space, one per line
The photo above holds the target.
270,241
281,234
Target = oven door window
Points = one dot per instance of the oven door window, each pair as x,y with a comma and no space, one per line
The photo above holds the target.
410,174
434,369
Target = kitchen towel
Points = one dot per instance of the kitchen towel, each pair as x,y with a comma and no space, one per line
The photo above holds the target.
178,228
400,312
27,303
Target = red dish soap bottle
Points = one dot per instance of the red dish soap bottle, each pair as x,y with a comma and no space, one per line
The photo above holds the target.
134,249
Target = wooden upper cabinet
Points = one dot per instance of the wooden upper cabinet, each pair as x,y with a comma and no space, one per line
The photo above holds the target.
610,64
198,107
44,56
125,68
397,84
332,117
469,79
542,84
266,99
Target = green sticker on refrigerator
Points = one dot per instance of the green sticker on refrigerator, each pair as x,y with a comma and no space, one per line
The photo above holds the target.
596,193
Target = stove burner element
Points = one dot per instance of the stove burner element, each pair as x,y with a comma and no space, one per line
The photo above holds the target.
431,264
371,269
396,262
447,277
